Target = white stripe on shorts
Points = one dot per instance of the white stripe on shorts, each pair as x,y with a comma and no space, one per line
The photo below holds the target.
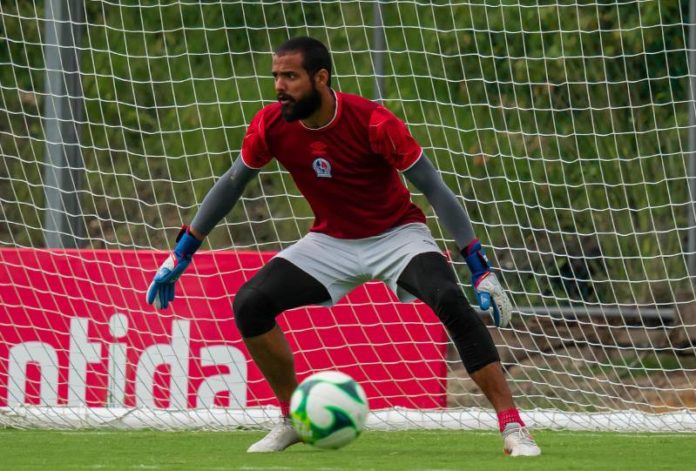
343,264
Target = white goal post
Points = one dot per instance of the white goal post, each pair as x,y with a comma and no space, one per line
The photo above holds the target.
566,129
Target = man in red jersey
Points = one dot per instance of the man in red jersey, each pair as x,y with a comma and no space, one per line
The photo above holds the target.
346,155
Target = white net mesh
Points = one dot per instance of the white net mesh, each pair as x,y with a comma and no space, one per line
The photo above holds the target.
563,127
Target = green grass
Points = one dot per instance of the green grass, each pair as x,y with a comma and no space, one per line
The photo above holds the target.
409,450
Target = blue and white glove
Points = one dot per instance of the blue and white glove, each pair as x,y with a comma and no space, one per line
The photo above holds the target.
489,293
161,291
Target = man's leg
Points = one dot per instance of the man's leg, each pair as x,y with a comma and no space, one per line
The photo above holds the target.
271,353
277,287
430,278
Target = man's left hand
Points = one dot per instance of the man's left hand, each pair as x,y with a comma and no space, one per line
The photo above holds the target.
489,292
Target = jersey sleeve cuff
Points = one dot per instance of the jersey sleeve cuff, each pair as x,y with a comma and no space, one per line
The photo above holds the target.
248,165
414,162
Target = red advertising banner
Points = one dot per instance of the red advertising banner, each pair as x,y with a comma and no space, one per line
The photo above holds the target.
75,330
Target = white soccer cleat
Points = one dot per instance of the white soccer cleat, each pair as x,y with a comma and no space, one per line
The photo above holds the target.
517,441
279,438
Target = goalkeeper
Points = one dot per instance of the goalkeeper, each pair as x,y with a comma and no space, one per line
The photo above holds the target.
346,155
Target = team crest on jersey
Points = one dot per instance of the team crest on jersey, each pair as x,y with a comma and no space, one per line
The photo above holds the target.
322,167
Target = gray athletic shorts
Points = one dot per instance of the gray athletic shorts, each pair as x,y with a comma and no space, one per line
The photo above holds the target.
344,264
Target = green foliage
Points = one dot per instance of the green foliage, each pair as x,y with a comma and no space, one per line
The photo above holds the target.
561,125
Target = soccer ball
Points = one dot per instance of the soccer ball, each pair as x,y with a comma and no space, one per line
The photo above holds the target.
328,409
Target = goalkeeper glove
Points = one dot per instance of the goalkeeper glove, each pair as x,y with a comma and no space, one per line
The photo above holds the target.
161,291
489,293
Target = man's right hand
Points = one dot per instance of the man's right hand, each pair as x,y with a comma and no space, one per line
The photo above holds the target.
161,290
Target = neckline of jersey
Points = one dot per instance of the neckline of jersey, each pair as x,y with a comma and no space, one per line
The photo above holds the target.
334,118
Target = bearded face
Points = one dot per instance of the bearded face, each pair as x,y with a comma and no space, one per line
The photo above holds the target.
295,87
301,107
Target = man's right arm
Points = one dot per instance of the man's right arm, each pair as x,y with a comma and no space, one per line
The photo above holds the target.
216,204
221,198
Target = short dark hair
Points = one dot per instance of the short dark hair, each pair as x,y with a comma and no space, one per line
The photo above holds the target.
315,55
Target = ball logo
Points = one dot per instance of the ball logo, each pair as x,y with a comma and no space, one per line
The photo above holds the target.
322,167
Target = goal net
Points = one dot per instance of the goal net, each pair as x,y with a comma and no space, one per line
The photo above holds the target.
565,128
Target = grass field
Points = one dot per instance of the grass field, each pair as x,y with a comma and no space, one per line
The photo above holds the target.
408,450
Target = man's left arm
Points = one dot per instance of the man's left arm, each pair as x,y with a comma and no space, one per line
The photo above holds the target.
489,292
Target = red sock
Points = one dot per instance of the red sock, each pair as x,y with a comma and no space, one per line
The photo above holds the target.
509,416
284,408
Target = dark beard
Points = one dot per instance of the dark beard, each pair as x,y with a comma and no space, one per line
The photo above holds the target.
302,108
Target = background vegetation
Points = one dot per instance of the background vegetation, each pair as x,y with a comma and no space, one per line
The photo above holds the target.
561,125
